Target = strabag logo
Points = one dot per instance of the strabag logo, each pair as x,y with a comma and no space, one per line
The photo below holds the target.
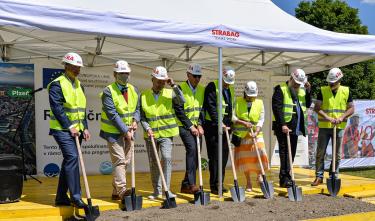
225,35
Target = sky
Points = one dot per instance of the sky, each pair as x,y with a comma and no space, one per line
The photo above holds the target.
366,10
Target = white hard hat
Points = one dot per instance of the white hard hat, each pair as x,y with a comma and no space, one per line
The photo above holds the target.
334,75
160,73
73,59
251,89
228,75
299,76
194,69
122,66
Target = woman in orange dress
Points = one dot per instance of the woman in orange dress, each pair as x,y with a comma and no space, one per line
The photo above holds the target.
249,114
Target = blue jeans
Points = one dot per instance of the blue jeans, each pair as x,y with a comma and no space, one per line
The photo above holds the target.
164,146
325,134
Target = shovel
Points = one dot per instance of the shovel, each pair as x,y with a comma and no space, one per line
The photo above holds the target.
169,202
91,212
132,202
294,192
266,187
333,183
200,197
237,193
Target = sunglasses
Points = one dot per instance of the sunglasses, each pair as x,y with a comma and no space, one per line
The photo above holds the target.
197,76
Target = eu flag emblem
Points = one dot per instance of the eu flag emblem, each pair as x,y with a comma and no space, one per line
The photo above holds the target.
50,74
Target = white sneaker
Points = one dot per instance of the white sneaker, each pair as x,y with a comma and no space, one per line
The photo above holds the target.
171,195
155,196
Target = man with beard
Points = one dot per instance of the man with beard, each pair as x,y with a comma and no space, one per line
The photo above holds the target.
289,107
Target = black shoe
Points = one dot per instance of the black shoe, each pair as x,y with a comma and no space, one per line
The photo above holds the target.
79,204
225,190
62,203
286,184
215,190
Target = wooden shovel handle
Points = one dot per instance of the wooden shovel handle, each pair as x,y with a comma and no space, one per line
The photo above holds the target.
199,162
159,165
289,155
334,150
256,148
88,195
231,155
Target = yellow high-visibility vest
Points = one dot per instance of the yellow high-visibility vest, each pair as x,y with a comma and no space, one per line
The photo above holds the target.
232,93
289,105
333,106
193,104
160,114
74,106
124,109
253,116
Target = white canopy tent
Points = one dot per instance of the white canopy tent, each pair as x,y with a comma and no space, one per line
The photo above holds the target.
255,35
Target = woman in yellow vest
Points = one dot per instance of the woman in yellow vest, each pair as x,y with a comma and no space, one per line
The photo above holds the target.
159,121
119,117
249,114
334,104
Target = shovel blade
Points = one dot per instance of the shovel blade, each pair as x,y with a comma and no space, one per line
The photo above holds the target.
201,198
92,212
267,189
169,202
237,193
333,185
295,193
130,203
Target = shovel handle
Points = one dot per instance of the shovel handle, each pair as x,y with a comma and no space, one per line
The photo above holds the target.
231,155
256,148
132,160
334,149
159,165
199,162
290,156
88,195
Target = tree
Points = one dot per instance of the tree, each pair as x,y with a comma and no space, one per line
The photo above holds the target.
338,16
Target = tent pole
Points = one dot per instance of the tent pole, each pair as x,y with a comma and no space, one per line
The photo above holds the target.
220,122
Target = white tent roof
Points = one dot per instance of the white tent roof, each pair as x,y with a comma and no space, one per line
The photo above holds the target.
256,34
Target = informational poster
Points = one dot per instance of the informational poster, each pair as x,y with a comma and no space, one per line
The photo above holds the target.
17,121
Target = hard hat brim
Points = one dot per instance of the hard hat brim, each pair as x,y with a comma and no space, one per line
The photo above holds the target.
159,78
251,94
229,82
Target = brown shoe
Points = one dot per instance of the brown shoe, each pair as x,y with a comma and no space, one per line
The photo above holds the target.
191,189
115,197
317,181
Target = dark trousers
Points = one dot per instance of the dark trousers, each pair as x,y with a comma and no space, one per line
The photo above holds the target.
211,135
284,174
190,143
69,174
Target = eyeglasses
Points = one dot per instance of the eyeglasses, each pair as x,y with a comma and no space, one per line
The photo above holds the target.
197,76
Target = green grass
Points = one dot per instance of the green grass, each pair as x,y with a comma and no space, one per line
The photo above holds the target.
365,172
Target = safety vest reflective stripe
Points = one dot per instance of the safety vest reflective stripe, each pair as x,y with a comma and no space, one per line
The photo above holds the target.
232,93
74,110
243,114
74,106
161,117
333,106
124,109
193,102
159,114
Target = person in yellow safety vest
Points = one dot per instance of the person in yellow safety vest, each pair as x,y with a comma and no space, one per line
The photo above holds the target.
249,114
210,125
159,121
289,104
119,118
334,104
190,120
67,121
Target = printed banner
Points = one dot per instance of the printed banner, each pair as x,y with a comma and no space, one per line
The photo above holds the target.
17,120
358,143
